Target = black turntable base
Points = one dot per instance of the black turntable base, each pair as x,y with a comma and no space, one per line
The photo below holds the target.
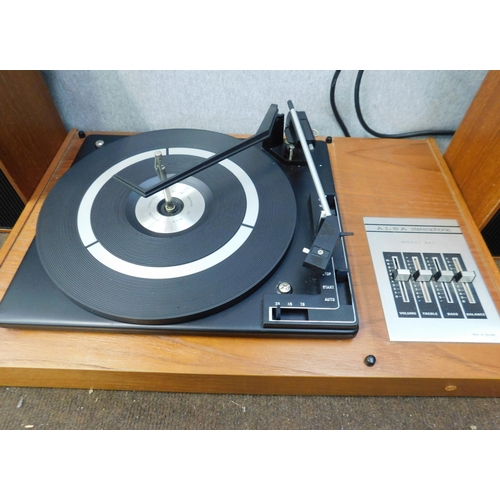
137,237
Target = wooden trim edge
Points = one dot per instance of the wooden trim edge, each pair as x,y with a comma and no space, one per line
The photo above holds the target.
30,204
247,384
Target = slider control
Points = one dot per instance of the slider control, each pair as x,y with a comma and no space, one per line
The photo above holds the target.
444,276
465,276
422,275
400,274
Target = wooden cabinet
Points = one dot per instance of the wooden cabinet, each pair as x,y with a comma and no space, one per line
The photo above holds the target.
474,159
373,178
31,132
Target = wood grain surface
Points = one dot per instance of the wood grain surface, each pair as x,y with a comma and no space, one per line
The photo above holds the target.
374,177
31,130
474,152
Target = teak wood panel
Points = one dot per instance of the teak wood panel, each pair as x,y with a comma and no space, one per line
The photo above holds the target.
385,178
31,131
474,152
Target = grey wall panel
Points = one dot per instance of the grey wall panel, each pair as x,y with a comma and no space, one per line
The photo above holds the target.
236,101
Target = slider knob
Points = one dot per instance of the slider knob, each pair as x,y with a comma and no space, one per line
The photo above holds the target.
444,276
400,274
422,275
465,276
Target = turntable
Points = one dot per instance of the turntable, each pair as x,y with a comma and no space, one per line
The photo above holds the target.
192,231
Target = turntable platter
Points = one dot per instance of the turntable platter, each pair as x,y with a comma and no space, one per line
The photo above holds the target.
126,258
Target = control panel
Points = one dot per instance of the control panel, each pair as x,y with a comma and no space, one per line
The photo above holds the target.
429,284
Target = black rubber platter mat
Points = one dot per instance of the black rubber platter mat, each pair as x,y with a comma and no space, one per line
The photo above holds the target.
98,253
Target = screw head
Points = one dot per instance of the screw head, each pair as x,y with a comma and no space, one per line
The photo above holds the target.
99,143
284,287
370,360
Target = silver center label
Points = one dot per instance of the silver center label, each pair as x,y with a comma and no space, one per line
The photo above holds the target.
146,210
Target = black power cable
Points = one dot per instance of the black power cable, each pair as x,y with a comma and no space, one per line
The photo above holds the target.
334,106
388,136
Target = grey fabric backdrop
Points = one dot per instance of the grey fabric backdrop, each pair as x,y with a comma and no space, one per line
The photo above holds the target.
236,101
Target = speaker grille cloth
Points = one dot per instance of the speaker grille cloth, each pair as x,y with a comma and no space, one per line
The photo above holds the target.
491,235
11,205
